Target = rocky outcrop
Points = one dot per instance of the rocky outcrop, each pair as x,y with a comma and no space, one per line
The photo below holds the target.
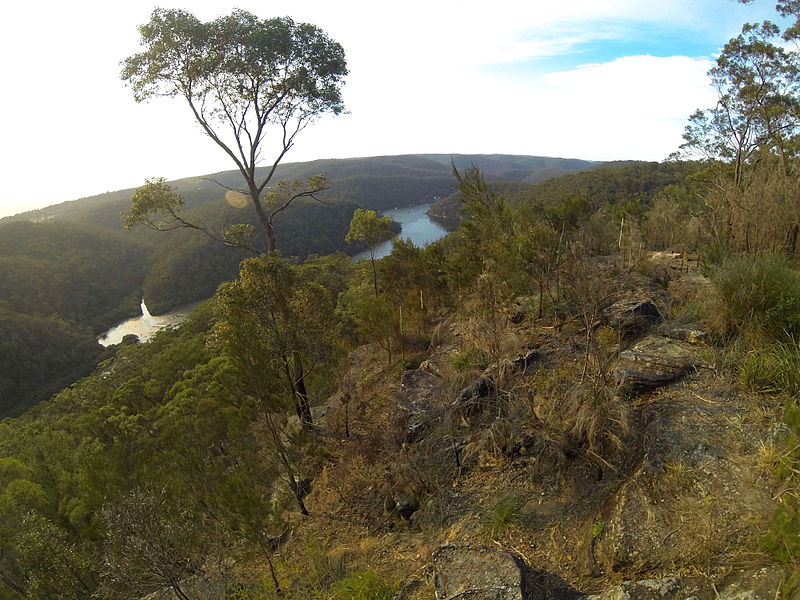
750,584
466,572
686,333
471,572
698,488
473,399
418,388
654,362
633,316
530,362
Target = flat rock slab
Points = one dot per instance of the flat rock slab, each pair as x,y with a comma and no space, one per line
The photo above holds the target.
669,588
467,572
686,333
751,584
654,362
697,488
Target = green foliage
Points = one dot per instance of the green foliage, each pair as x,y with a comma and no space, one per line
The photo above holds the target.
156,199
243,78
322,567
363,585
774,369
152,542
504,515
759,296
40,355
367,227
597,529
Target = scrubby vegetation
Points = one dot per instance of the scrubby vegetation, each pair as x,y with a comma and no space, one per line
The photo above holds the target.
598,374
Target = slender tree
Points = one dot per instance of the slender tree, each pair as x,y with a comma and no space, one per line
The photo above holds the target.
252,85
367,227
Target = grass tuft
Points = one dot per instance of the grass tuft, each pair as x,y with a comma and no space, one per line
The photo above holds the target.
504,515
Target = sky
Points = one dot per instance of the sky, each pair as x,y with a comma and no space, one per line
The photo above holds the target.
589,79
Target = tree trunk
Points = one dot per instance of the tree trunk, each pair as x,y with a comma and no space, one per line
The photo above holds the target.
791,241
303,405
263,218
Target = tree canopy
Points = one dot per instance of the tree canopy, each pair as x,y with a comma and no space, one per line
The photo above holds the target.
253,85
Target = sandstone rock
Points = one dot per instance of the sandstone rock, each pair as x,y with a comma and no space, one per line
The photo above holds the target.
668,588
530,362
655,361
472,399
418,385
407,589
418,388
464,572
695,488
685,333
402,505
520,309
750,584
633,316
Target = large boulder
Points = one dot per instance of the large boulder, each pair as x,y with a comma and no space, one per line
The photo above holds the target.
654,362
761,583
474,398
633,316
699,487
467,572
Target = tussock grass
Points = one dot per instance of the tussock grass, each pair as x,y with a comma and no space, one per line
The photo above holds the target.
505,514
772,370
363,584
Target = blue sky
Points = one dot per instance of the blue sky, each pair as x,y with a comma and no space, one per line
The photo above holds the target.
591,79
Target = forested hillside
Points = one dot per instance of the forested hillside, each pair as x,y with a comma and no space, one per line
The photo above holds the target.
630,184
73,262
320,429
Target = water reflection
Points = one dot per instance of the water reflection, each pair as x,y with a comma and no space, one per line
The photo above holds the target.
145,325
417,226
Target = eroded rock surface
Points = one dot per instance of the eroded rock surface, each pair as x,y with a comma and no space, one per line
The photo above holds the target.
464,572
698,489
633,316
418,388
655,361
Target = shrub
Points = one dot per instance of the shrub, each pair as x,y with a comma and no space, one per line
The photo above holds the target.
772,370
759,297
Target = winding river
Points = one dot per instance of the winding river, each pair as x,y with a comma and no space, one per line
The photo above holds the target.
145,325
417,226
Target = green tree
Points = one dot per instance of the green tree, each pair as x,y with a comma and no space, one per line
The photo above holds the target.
248,83
758,83
152,542
367,227
274,317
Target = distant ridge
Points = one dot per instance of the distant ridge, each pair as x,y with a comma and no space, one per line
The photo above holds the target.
377,182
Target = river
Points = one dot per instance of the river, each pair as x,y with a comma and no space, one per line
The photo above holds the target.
417,226
145,325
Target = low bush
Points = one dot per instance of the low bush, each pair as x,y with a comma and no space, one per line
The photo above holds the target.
771,370
758,299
